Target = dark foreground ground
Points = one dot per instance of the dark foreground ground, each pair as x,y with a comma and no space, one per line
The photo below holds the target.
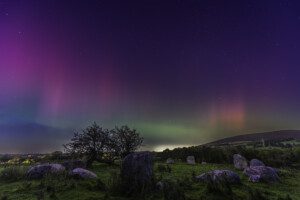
181,174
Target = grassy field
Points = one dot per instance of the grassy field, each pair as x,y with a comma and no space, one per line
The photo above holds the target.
69,189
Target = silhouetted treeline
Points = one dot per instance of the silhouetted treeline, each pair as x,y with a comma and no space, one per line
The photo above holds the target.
277,157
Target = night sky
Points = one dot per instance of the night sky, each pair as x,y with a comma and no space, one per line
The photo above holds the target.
180,72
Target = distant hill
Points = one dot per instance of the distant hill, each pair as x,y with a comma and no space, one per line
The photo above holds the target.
273,135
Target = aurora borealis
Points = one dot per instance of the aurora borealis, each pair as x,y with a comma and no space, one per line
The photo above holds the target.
180,72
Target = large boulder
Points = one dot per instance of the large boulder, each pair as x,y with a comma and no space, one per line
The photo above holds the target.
219,176
39,171
190,160
261,174
170,161
137,171
73,164
239,162
83,173
256,162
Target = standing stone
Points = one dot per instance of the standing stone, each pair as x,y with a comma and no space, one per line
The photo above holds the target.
256,162
239,162
170,161
137,172
190,160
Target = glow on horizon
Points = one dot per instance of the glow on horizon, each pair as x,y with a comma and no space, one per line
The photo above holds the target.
160,148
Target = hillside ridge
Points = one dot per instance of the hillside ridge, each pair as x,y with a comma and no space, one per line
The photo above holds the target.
270,135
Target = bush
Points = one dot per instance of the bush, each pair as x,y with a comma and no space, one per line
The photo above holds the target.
14,161
28,161
13,173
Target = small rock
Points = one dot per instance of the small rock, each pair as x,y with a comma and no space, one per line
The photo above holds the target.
261,174
219,175
203,163
256,162
39,171
170,161
83,173
239,162
190,160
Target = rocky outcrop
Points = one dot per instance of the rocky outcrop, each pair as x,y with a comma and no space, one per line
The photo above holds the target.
39,171
239,162
219,176
83,174
261,174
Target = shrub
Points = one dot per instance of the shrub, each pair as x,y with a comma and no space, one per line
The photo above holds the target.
28,161
14,161
13,173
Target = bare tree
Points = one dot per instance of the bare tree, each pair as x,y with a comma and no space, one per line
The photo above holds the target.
99,144
126,140
91,143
